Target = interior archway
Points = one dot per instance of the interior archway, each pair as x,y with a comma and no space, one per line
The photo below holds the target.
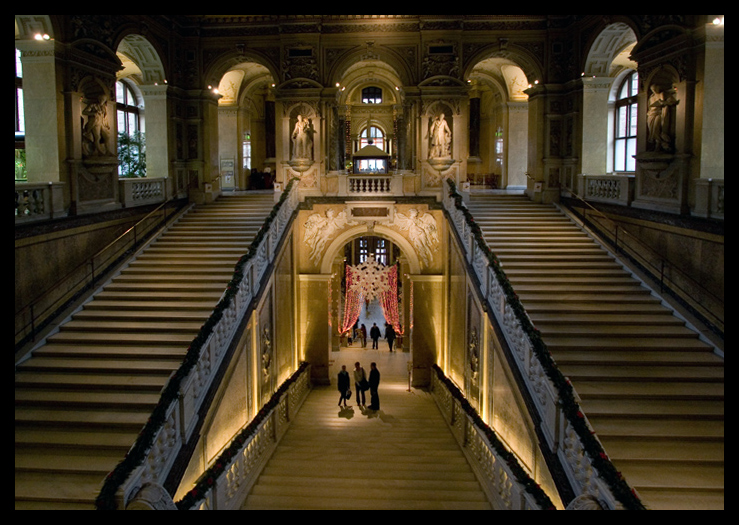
393,366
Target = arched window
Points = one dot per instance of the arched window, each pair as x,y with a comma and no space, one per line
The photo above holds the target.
128,109
372,95
627,114
372,135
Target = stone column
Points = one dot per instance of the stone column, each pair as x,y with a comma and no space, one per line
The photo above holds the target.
595,131
44,112
157,131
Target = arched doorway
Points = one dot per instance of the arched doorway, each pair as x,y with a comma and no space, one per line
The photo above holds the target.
393,251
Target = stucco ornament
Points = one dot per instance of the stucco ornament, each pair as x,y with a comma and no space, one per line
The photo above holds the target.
423,232
320,229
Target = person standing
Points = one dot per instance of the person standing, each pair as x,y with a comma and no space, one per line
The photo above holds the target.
344,386
374,384
360,382
390,335
363,336
375,336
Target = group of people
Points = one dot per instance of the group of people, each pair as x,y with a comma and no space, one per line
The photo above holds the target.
362,383
360,333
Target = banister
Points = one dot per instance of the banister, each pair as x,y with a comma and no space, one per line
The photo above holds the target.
73,289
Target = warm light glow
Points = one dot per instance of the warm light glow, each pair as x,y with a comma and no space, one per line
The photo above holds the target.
718,21
39,36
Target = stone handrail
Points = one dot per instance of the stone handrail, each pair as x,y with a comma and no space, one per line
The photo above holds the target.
505,482
228,480
174,419
566,429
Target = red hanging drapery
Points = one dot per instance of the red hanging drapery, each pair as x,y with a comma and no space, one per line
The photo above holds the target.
352,305
354,299
389,302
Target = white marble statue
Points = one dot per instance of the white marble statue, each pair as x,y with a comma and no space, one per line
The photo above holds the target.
440,139
318,231
302,140
423,233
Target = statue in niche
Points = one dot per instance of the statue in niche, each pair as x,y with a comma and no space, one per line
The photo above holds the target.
318,231
440,137
660,118
266,351
96,131
302,138
422,232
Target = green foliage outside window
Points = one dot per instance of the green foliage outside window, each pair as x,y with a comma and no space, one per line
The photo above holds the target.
132,155
20,165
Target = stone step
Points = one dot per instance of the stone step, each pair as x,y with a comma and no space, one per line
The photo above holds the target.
124,338
694,410
151,382
161,325
102,366
664,449
545,321
83,397
34,440
49,491
650,390
86,400
94,420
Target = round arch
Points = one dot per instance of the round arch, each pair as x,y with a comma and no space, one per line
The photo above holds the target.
141,51
222,64
338,72
608,53
513,54
401,242
28,26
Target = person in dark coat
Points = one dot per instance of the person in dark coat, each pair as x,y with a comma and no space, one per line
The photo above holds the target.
344,385
390,335
375,335
374,382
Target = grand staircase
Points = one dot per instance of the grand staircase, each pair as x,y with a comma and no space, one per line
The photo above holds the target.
652,390
401,458
84,396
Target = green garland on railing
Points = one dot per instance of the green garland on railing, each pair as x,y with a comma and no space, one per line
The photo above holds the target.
522,477
106,499
570,407
208,479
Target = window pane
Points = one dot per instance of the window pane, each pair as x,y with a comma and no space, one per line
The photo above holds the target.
120,93
18,65
20,125
634,120
620,157
122,122
630,153
622,123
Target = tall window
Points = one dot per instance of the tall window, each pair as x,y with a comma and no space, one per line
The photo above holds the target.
128,109
20,127
372,135
627,114
372,95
